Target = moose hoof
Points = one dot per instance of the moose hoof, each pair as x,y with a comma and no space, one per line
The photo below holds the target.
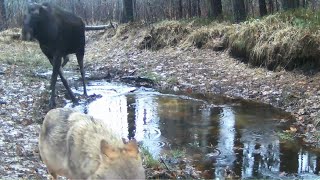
52,104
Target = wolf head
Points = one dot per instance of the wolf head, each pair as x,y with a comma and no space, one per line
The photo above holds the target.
119,163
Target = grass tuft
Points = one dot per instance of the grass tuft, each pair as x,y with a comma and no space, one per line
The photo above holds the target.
148,159
164,34
282,40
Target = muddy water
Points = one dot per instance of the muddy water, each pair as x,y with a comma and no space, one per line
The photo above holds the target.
220,136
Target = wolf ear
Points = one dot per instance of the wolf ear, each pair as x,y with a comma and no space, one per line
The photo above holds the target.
124,141
131,149
108,150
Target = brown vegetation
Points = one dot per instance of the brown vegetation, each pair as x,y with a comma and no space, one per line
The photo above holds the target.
270,42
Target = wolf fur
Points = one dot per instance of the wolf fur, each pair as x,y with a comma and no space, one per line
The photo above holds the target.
78,146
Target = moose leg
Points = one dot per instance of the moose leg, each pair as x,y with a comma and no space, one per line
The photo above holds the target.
80,62
65,60
56,63
65,83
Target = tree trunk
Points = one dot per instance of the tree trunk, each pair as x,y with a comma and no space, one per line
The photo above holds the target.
262,7
251,5
239,10
127,11
277,5
290,4
210,8
313,4
199,8
190,8
3,17
180,9
271,7
304,3
134,8
215,8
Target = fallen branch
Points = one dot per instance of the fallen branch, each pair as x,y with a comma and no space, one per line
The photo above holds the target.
100,27
162,161
171,172
139,81
17,36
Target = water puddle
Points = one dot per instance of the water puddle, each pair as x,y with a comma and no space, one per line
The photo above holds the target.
217,134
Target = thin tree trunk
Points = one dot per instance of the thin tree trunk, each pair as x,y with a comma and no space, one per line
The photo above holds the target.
239,10
252,8
313,5
189,8
127,11
210,8
217,8
199,8
3,16
134,7
290,4
262,7
304,3
214,8
180,9
271,7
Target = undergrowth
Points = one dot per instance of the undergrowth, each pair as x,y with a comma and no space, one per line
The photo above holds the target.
281,40
13,51
286,40
148,160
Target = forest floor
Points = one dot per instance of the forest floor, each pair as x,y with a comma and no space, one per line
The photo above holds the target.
24,94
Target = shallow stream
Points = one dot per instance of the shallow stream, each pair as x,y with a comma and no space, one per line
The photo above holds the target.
218,135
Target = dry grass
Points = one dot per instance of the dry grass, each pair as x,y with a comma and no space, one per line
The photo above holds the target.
164,34
285,40
213,36
16,52
275,43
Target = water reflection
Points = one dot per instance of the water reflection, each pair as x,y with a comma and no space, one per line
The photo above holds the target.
226,141
239,137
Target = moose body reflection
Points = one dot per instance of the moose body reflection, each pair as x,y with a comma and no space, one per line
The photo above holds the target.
241,136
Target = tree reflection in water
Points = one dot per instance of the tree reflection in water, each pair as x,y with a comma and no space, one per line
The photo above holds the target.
244,133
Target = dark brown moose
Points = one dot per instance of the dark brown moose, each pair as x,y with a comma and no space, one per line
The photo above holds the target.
59,33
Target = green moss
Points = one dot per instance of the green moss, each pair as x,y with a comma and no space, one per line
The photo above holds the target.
286,136
177,153
151,75
172,80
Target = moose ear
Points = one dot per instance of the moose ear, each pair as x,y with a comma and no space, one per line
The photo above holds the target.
33,9
131,149
43,9
108,150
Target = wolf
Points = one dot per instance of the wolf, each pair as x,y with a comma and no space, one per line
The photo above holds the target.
78,146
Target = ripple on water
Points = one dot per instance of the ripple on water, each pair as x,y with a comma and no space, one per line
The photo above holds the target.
241,137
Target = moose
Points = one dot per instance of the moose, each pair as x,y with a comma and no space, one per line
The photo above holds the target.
59,33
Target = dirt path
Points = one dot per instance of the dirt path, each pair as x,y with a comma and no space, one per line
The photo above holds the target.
23,95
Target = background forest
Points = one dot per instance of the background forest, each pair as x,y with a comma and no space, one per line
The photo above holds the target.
150,11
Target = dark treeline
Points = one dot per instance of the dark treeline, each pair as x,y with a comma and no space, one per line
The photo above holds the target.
148,11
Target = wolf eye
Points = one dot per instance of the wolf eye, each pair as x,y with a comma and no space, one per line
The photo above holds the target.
99,176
